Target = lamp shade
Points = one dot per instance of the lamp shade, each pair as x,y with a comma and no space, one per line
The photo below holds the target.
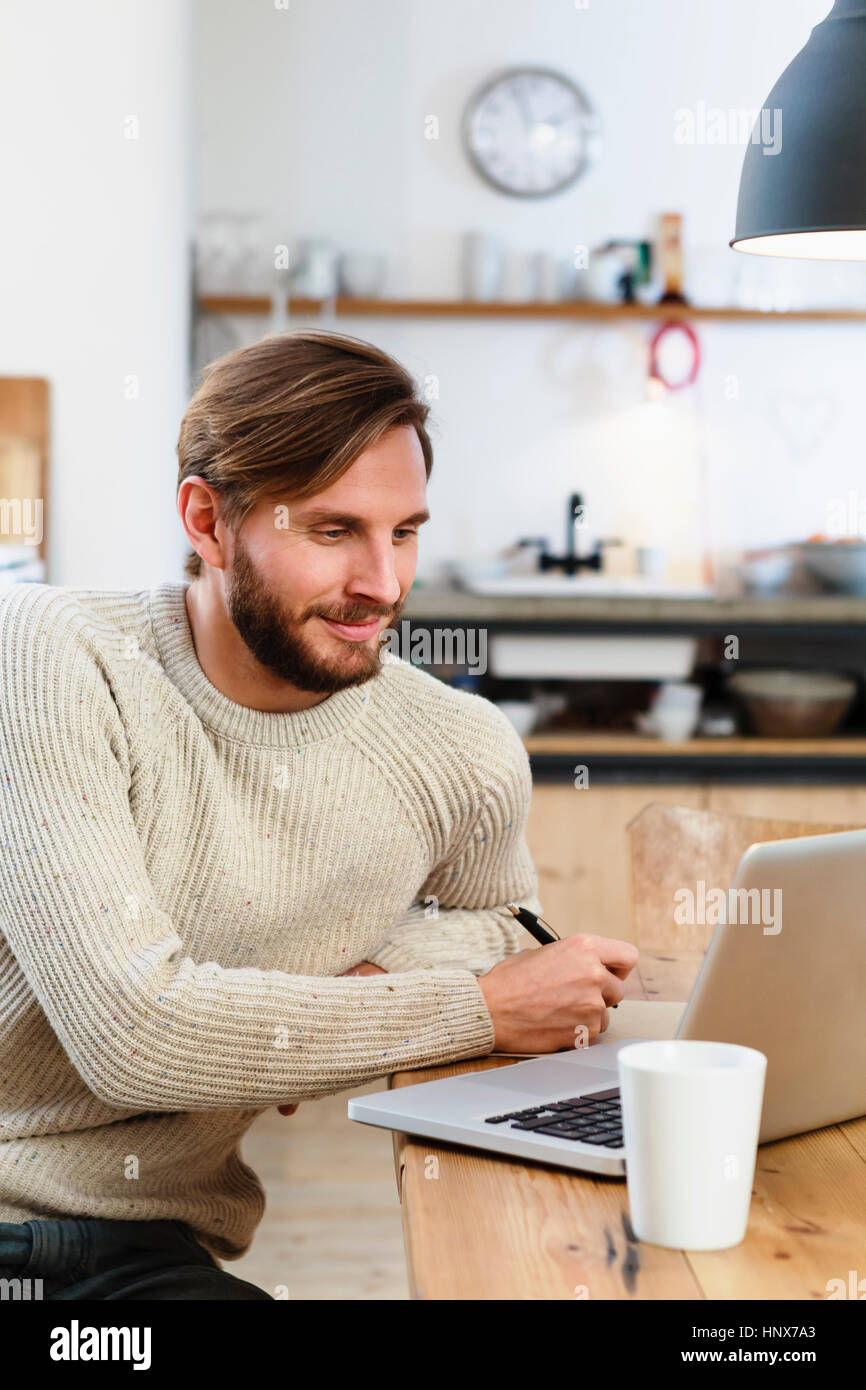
803,185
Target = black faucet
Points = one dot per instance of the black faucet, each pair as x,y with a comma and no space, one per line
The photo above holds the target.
571,562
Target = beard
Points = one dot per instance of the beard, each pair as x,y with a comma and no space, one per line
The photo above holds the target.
275,637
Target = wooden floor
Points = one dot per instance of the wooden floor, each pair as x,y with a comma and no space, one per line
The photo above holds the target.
332,1226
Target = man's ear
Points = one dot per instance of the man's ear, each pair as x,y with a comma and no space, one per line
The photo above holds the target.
199,507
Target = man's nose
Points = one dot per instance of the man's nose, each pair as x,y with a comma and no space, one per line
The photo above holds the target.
376,578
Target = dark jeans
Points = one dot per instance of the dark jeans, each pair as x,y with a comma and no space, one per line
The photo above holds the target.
135,1260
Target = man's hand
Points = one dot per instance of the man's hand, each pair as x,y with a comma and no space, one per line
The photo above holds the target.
538,998
365,967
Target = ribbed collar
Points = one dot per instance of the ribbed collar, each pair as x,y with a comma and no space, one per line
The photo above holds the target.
173,637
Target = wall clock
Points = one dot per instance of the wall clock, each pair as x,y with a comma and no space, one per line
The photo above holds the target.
530,132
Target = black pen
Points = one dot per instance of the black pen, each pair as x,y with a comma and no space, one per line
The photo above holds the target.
545,935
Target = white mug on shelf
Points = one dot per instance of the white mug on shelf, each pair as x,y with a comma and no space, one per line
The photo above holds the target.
315,276
652,561
549,277
674,712
482,266
519,277
678,695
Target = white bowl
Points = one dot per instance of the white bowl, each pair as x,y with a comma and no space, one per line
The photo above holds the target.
840,565
766,573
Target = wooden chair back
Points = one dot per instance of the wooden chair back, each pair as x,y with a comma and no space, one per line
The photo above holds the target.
675,847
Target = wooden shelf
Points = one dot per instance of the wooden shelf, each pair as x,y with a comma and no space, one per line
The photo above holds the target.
565,309
638,745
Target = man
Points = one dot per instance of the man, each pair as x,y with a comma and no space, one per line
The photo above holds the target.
248,857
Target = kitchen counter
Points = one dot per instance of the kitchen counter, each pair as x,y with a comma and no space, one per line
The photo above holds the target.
426,603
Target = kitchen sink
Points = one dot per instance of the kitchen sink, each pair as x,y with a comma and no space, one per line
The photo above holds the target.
585,656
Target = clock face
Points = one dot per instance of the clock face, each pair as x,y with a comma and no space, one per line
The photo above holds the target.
530,132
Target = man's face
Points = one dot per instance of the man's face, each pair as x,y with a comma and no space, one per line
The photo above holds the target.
310,598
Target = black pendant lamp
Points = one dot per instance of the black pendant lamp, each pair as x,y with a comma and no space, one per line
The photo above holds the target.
808,197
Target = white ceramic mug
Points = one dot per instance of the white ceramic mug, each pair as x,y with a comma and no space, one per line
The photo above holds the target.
691,1116
679,695
482,266
316,274
675,711
652,561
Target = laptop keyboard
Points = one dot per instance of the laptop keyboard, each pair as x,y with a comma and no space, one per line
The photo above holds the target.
593,1119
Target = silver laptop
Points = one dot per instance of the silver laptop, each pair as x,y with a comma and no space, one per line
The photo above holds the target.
785,972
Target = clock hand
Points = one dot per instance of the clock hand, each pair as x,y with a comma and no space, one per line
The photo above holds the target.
562,120
523,103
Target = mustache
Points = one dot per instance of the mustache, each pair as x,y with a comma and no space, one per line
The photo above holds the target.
354,616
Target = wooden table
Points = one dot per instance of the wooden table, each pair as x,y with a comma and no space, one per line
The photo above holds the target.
491,1227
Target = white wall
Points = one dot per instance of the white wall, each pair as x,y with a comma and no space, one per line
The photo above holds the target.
315,115
93,268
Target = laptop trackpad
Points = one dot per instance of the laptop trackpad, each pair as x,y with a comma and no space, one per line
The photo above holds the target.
539,1078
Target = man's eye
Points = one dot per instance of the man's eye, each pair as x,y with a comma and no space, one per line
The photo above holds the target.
400,532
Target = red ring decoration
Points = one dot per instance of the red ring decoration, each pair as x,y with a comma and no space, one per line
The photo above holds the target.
680,327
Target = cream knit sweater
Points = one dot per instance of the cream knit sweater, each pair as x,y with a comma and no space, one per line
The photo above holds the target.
184,879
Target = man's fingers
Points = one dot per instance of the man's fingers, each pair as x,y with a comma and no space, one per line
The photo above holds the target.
612,990
620,957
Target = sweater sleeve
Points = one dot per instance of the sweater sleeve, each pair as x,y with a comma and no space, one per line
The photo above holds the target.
459,919
145,1025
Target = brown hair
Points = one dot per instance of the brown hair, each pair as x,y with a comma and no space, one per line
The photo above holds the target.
289,415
